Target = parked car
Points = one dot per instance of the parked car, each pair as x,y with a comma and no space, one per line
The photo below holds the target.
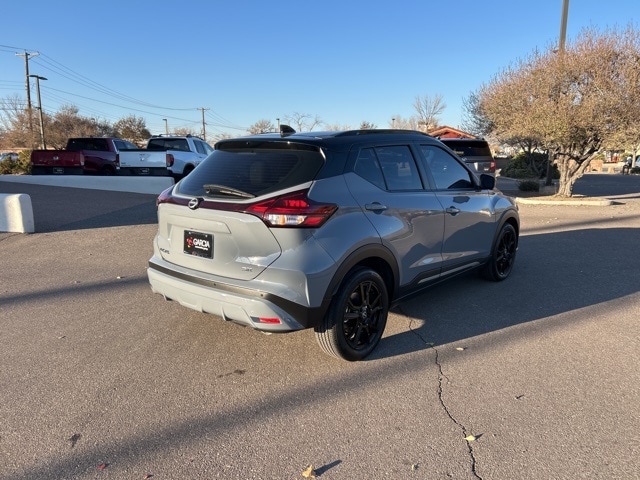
474,152
183,153
13,156
83,155
327,230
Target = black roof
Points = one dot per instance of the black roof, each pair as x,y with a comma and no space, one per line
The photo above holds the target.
328,139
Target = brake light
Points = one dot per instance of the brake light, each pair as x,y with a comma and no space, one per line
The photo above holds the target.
492,168
292,210
164,197
170,160
117,160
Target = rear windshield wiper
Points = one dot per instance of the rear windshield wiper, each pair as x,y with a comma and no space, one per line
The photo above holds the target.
228,191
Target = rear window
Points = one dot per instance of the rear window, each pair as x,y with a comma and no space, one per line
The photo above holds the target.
168,144
95,144
253,171
473,148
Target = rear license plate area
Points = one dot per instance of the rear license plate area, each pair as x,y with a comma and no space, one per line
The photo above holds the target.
198,244
58,170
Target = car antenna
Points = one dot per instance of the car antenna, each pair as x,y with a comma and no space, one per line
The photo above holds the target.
286,130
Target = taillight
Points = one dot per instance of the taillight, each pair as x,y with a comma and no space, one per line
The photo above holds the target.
117,160
492,168
292,210
170,160
164,197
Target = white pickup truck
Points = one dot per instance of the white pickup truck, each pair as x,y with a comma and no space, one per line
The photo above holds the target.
165,155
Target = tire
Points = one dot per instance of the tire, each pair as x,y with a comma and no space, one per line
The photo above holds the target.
356,318
503,254
107,171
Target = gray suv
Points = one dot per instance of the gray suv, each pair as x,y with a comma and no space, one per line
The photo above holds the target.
475,152
327,230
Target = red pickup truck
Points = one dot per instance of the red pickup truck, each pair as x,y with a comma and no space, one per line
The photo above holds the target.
87,155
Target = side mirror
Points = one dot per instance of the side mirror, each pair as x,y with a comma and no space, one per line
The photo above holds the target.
487,182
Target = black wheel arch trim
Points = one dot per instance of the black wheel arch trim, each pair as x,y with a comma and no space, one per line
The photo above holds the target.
368,256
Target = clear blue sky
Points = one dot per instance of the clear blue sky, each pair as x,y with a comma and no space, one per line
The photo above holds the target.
345,61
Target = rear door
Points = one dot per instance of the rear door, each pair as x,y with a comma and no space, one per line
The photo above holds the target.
409,219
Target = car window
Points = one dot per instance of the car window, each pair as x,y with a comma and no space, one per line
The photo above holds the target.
254,171
123,145
447,172
367,167
199,147
398,167
468,148
95,144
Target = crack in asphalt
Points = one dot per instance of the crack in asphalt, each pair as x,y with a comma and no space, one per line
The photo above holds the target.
441,378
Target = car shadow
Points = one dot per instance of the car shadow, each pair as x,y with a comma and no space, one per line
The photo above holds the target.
555,273
63,208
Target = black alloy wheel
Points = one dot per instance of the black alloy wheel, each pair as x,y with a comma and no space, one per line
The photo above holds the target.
504,254
357,317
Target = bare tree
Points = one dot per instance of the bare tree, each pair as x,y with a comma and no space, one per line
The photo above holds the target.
262,126
574,101
303,122
14,123
364,125
336,127
428,110
132,128
397,121
67,123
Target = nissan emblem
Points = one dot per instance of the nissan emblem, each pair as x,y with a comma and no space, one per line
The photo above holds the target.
194,203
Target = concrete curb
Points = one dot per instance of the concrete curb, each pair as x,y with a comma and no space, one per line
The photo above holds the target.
16,213
569,201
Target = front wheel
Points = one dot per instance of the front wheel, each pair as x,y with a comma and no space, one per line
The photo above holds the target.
356,318
503,254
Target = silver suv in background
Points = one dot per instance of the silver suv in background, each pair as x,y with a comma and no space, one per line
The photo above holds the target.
327,230
474,152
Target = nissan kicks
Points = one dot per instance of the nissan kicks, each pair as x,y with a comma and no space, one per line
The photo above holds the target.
327,230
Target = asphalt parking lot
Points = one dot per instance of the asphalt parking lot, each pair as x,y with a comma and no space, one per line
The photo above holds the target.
536,377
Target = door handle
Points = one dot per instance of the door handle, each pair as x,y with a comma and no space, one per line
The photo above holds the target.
375,207
453,211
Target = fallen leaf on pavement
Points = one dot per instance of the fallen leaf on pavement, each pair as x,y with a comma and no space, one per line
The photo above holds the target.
309,473
470,438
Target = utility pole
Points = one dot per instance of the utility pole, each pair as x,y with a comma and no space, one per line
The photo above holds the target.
166,126
204,128
26,56
563,25
38,78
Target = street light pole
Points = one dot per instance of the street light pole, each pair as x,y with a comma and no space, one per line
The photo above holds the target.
38,78
166,126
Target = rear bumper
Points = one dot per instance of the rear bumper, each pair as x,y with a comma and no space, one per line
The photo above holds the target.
254,308
51,170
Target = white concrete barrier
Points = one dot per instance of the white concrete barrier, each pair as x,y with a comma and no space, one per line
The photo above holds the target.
16,213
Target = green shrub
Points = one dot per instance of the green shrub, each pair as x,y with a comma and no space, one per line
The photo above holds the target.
529,186
22,166
520,166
